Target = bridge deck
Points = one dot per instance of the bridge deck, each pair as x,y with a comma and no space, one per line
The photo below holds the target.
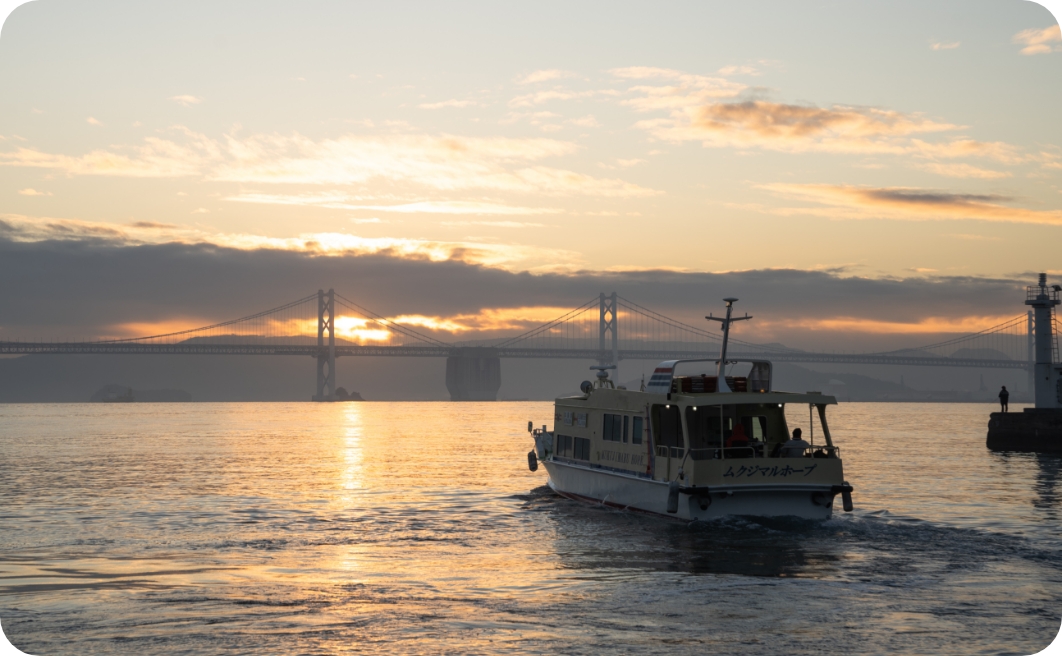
348,350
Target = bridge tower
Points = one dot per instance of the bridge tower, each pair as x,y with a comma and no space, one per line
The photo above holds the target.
608,325
326,354
473,374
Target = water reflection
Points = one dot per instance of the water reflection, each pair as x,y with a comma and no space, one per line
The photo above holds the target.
1048,469
315,528
353,448
600,538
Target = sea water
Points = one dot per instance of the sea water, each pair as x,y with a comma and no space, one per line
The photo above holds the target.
417,528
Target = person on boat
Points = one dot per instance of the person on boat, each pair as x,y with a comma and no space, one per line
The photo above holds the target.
794,448
1004,397
738,437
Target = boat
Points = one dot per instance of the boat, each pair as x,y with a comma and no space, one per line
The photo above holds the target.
691,445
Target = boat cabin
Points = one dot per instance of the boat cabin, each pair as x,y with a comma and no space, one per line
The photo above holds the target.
683,422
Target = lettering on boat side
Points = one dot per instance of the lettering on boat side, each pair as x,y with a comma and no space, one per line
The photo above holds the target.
623,458
772,472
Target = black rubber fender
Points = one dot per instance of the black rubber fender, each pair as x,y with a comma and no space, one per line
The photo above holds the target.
672,497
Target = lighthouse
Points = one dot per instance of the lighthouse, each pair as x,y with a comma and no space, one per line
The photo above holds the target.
1038,428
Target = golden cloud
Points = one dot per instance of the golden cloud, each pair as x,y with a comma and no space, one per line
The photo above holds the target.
513,257
962,171
545,76
1040,41
901,203
927,325
448,103
704,109
338,200
443,162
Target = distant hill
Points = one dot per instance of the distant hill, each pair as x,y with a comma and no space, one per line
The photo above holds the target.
981,353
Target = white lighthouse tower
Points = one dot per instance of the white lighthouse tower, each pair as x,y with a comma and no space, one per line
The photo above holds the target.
1047,382
1037,429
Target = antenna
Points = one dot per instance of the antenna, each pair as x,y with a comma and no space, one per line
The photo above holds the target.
721,382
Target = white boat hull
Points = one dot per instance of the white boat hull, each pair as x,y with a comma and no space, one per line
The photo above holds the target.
629,492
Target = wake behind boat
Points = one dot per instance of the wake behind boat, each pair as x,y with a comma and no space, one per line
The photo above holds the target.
693,445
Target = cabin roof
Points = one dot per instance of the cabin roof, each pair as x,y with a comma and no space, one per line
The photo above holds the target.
714,398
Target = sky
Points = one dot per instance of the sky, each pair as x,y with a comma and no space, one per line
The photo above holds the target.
859,174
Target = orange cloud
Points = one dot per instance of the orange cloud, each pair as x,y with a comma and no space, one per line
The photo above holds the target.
448,103
514,257
545,76
704,109
928,325
338,200
853,202
1040,41
443,162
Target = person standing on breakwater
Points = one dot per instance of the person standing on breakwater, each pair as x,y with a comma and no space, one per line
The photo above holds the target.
1004,396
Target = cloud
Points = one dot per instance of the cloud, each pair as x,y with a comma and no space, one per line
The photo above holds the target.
706,110
154,225
546,76
448,103
494,224
945,46
738,70
962,171
23,229
34,192
154,158
1039,41
457,207
336,200
186,100
792,128
443,162
900,203
925,326
540,97
587,121
92,121
82,287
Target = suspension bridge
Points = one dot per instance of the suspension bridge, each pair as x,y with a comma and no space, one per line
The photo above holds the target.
608,329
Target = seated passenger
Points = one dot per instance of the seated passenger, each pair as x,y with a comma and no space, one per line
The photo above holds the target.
794,448
738,437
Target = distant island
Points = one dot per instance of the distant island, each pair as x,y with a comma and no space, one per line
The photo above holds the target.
124,394
343,395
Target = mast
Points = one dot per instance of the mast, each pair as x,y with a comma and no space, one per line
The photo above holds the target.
721,385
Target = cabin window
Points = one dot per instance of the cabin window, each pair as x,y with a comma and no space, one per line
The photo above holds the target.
564,446
626,422
755,427
581,448
636,431
669,426
613,428
704,426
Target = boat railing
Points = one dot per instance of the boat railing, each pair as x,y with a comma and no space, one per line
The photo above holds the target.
754,450
816,451
670,451
726,452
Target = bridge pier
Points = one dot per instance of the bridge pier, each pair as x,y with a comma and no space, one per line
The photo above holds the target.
326,355
473,374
